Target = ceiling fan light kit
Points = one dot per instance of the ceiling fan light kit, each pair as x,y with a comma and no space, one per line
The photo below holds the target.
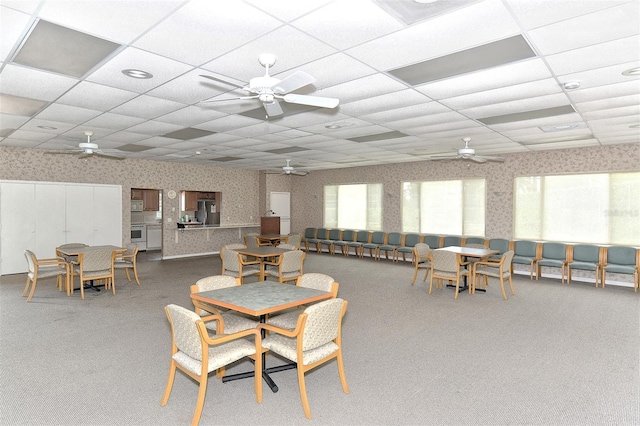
269,90
467,153
87,149
288,169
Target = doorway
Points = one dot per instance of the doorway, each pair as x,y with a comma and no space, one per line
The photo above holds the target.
280,204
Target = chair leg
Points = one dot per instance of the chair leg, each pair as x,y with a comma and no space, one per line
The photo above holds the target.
343,378
415,274
504,294
33,288
426,274
457,288
202,391
26,287
511,286
167,390
303,392
430,283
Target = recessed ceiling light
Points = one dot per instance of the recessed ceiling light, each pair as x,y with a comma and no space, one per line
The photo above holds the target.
198,153
338,125
47,127
569,85
632,72
133,73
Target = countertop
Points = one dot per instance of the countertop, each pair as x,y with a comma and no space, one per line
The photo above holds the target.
198,226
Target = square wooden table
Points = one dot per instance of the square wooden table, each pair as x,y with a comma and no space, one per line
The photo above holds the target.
260,299
466,252
262,253
273,239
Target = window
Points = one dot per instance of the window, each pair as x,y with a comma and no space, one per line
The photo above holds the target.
601,208
454,207
353,206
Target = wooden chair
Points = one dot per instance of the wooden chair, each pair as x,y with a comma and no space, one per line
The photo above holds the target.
232,322
316,339
333,236
392,241
445,265
95,265
235,266
552,255
585,257
316,281
45,268
362,238
621,260
294,240
376,240
128,261
347,236
408,244
197,354
422,260
489,268
527,253
288,267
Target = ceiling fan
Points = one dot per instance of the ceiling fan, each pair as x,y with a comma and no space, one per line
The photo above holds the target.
288,169
269,89
466,153
87,149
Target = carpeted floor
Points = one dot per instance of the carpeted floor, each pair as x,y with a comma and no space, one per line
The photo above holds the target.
551,354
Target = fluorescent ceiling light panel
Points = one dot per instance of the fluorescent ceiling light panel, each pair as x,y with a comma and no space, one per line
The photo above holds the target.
287,150
16,105
494,54
411,12
527,115
585,136
134,148
379,137
51,47
564,127
188,133
225,159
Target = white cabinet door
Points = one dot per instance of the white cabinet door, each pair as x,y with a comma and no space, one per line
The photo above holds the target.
154,237
107,215
17,225
49,219
79,217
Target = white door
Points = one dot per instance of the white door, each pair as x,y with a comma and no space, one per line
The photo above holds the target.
50,219
79,217
107,215
280,204
17,225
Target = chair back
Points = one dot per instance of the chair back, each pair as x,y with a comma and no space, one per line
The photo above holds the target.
621,255
323,323
363,236
322,233
556,251
292,261
474,240
184,330
234,246
316,281
507,257
334,234
215,282
32,261
410,240
251,240
288,246
586,253
230,261
394,238
500,244
377,237
525,248
443,260
310,233
294,240
130,254
98,260
348,235
421,251
432,240
451,240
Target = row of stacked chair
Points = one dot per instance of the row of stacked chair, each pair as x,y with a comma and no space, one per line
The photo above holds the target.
535,254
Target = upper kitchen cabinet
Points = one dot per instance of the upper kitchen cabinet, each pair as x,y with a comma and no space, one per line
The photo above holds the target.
137,194
151,200
206,196
190,200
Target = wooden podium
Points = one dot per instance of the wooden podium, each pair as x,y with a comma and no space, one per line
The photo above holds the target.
269,225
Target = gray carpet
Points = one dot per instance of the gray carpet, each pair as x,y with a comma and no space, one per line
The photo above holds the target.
552,354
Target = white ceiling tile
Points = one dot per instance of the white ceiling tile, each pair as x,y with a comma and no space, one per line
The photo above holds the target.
28,83
113,121
36,125
287,10
189,116
227,123
600,77
147,107
613,23
13,24
362,88
117,21
384,102
8,121
335,69
206,31
257,129
67,114
492,78
563,145
630,87
608,106
154,128
95,96
520,105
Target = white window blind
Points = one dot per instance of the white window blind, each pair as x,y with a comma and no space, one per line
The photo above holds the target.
357,206
600,208
454,207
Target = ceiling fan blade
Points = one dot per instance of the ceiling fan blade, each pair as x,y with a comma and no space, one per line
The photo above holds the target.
110,157
297,173
312,100
231,99
443,157
219,80
273,108
293,82
496,159
478,159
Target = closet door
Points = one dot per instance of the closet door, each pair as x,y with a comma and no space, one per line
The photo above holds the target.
17,232
107,215
79,217
49,219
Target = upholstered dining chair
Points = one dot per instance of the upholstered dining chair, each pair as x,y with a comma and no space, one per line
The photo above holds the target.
422,260
235,266
287,267
70,259
489,268
294,240
128,261
45,268
316,339
232,322
251,240
197,354
445,265
314,280
94,265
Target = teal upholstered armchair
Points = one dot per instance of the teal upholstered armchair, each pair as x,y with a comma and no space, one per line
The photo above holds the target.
621,260
552,255
585,257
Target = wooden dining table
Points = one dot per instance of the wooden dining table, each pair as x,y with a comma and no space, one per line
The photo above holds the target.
262,253
75,251
464,253
272,239
260,299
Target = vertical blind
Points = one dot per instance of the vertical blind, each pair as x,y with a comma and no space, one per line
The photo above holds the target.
600,208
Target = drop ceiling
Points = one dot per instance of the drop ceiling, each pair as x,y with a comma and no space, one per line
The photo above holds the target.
412,79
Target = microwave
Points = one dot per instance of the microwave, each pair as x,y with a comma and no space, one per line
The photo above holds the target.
137,205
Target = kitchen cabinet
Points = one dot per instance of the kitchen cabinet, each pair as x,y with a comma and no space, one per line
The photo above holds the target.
269,225
137,194
154,237
151,200
190,201
45,215
207,196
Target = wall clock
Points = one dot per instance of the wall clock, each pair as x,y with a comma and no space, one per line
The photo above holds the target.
171,194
